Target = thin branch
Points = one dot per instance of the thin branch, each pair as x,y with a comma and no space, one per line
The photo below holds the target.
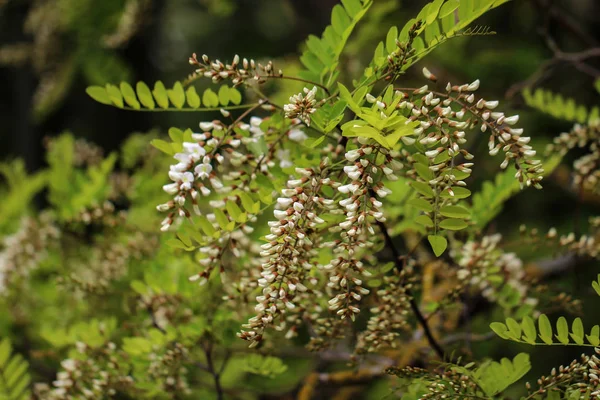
213,371
413,304
293,78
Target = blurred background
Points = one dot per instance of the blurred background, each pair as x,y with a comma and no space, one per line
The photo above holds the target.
51,50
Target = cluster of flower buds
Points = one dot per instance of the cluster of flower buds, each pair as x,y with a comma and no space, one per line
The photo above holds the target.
95,376
587,167
110,263
302,106
287,251
239,71
404,51
168,368
486,268
435,111
104,214
24,250
388,316
451,383
584,246
579,377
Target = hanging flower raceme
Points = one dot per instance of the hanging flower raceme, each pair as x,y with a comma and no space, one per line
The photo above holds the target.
287,252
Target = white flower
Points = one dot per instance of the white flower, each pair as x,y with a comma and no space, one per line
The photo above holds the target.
206,126
297,135
171,188
187,179
284,158
203,170
194,150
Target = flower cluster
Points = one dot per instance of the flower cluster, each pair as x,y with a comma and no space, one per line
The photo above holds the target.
302,106
286,253
237,72
450,383
108,264
587,167
104,215
486,268
578,377
97,375
388,316
473,111
193,174
26,249
168,368
360,208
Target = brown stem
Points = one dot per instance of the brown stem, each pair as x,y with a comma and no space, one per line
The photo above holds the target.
213,371
389,243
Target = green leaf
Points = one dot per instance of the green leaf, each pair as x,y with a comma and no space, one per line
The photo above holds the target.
224,95
594,336
529,330
129,95
210,98
347,97
115,95
353,7
235,212
577,331
390,40
221,218
455,212
99,94
423,188
144,95
161,95
192,97
246,201
339,19
177,95
453,224
424,220
14,376
438,244
205,225
235,96
421,204
562,330
545,329
500,329
163,146
514,329
312,143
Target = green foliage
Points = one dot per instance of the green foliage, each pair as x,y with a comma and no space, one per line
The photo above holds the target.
526,332
321,57
439,21
495,377
266,366
94,333
556,105
369,124
488,201
71,189
20,190
14,374
175,99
